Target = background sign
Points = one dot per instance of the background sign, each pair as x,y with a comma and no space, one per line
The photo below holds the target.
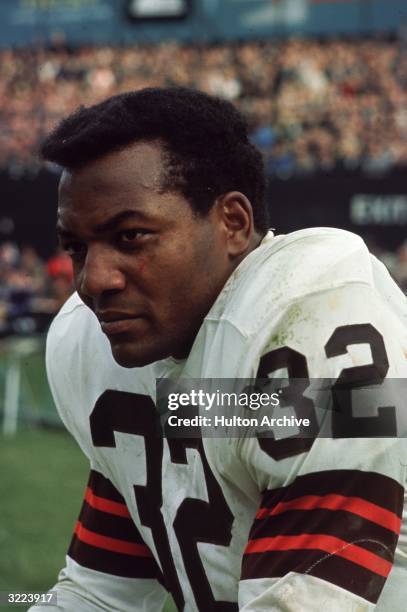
25,22
158,9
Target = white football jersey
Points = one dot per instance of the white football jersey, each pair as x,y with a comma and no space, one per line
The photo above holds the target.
253,524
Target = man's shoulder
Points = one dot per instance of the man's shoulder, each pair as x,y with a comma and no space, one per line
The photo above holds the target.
76,349
288,268
314,259
76,342
73,311
74,331
73,308
81,369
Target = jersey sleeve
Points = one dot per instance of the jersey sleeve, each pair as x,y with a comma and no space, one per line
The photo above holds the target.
329,530
108,566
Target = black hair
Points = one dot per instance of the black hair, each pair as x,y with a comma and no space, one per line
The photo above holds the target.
208,151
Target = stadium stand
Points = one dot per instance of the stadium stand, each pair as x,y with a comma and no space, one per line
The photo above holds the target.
314,105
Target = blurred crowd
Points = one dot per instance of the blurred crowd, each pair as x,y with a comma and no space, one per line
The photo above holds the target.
31,290
312,105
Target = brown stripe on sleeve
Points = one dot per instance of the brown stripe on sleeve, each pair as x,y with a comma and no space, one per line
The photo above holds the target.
333,569
111,562
326,521
106,539
109,524
371,486
345,526
104,488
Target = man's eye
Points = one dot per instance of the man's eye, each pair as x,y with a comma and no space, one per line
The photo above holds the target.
131,237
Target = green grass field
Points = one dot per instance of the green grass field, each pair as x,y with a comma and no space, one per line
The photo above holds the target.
43,476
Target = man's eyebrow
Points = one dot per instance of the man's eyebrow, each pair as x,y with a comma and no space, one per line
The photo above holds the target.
108,225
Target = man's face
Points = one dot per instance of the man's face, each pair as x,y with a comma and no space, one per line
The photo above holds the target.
143,262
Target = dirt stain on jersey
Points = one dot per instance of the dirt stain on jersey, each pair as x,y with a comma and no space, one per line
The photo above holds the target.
293,317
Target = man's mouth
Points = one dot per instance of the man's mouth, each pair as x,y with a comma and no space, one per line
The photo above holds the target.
113,322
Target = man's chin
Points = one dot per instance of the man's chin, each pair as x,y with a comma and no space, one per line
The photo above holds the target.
135,357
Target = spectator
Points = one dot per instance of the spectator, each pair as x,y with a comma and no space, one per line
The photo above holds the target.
313,105
31,291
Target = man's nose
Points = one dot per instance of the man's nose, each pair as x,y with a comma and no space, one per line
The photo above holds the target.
100,274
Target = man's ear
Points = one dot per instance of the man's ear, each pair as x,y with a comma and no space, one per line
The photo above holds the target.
236,214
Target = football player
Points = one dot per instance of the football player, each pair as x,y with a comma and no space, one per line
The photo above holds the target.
161,209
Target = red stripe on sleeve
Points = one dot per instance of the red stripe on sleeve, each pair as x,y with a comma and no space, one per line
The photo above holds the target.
113,544
106,505
356,505
328,544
